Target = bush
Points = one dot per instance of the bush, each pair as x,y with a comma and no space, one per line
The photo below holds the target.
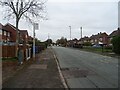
108,47
116,44
87,44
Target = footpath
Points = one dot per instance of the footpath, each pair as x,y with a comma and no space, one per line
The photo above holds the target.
41,73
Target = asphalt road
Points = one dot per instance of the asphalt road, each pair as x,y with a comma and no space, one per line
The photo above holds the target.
83,69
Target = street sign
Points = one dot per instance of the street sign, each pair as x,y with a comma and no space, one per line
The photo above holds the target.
36,26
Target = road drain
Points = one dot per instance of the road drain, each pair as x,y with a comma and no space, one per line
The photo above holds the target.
75,72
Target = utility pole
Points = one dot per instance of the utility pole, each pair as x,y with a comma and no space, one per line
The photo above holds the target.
70,32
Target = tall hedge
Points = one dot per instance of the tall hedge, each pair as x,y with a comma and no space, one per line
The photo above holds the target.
116,44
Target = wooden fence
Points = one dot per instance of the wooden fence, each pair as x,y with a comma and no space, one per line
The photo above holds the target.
8,51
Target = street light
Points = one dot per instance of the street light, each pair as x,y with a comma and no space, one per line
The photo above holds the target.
70,32
81,32
35,27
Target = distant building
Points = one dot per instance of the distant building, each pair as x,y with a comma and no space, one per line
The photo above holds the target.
85,39
100,38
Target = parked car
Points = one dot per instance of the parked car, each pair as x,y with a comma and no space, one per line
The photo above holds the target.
96,46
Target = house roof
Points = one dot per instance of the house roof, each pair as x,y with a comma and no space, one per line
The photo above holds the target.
85,38
30,38
8,24
99,35
23,32
1,26
115,33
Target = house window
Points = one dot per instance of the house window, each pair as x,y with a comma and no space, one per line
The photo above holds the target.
8,34
26,36
0,32
91,40
5,33
95,40
101,39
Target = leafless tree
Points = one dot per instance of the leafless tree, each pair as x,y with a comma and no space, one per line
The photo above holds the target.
24,8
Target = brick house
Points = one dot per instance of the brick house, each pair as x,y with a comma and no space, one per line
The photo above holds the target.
85,39
100,38
5,35
113,34
10,28
9,35
23,36
23,40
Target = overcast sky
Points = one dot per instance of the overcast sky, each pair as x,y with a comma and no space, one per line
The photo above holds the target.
94,16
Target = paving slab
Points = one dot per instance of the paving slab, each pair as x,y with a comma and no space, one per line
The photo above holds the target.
42,73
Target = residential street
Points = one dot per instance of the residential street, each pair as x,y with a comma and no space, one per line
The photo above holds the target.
42,73
87,70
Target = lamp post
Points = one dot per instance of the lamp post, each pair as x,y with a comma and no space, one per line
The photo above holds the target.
35,27
81,32
70,32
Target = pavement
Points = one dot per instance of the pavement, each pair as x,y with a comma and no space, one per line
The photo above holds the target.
41,73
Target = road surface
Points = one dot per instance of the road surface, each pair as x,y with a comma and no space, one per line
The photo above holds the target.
83,69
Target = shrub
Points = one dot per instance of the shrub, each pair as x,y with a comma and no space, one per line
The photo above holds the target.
87,44
108,47
116,44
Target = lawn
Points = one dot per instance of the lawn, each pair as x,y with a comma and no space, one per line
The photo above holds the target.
99,50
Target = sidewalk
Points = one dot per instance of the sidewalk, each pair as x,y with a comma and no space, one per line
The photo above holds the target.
42,73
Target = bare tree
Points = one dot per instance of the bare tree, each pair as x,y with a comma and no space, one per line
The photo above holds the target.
24,8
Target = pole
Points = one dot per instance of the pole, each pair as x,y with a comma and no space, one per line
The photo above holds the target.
81,36
33,42
81,32
70,32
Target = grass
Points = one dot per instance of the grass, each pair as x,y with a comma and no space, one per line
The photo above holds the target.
106,52
9,59
100,49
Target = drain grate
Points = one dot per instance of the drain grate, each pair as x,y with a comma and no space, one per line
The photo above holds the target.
76,72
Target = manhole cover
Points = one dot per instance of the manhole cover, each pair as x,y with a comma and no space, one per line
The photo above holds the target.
38,67
76,72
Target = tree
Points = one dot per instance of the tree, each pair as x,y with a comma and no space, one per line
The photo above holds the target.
49,41
116,44
62,41
22,8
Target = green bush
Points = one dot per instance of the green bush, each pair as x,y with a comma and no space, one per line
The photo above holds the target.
108,47
116,44
87,44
